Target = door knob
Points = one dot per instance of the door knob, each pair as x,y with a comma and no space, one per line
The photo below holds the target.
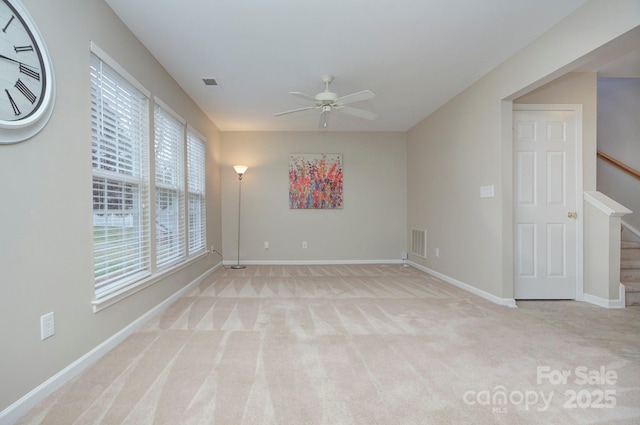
572,214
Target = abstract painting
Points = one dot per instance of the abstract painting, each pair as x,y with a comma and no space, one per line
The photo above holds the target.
315,181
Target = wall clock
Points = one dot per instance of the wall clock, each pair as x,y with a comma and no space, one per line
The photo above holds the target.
27,88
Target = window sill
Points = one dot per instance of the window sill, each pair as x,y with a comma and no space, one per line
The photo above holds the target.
114,297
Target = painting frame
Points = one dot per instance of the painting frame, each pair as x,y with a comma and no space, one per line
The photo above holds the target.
316,181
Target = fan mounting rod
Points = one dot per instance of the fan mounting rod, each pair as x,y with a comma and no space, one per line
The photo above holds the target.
326,97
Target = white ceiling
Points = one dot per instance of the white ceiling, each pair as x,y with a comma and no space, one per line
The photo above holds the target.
414,55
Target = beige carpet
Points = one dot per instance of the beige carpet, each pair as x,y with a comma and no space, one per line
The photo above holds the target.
359,345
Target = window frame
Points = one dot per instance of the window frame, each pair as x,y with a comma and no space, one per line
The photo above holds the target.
153,271
119,158
196,188
170,136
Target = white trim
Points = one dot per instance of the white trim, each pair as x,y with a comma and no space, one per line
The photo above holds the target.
606,204
111,298
547,107
577,108
170,111
118,69
309,262
509,302
603,302
191,128
18,409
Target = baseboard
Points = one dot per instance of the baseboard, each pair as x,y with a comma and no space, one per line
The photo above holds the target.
509,302
309,262
18,409
603,302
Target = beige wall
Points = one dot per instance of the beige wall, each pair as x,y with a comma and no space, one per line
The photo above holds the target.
618,130
467,144
574,88
370,227
46,238
432,183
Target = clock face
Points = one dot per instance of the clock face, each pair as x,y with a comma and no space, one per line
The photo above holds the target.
26,77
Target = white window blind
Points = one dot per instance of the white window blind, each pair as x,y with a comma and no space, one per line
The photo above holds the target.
119,128
169,177
196,190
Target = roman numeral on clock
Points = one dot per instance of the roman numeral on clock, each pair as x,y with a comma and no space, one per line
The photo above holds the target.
19,49
8,23
27,70
16,111
25,91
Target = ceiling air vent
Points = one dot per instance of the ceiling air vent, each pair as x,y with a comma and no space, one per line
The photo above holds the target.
210,82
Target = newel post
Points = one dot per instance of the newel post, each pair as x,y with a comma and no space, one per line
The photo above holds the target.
602,250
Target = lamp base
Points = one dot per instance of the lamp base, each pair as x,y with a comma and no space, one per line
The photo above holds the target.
238,267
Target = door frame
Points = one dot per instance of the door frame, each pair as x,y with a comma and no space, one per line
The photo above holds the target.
577,109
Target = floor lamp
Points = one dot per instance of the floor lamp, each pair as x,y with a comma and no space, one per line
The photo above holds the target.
240,169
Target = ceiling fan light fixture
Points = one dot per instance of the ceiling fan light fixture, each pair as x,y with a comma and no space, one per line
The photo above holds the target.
326,96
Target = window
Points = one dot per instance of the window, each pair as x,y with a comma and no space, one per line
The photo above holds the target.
195,187
127,256
169,166
119,129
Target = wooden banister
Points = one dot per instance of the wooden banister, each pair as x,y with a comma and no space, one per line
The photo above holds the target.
620,165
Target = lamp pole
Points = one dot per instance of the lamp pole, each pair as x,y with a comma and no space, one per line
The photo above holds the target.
240,169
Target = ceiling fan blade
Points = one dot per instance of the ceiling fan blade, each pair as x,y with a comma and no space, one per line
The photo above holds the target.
306,108
360,113
303,96
324,120
355,97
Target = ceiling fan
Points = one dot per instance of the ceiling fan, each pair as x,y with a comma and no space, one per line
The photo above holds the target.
327,101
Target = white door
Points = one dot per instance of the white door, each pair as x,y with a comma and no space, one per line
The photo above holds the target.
545,145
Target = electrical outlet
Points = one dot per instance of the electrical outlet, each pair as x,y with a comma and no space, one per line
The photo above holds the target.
437,252
266,244
304,244
47,326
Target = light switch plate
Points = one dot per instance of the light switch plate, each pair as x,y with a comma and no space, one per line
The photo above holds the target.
487,191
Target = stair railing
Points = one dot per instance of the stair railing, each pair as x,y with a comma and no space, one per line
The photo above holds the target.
632,231
619,165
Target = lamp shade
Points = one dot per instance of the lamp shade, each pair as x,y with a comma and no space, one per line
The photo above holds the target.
240,169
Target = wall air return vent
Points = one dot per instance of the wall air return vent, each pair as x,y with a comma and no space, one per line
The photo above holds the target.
419,242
